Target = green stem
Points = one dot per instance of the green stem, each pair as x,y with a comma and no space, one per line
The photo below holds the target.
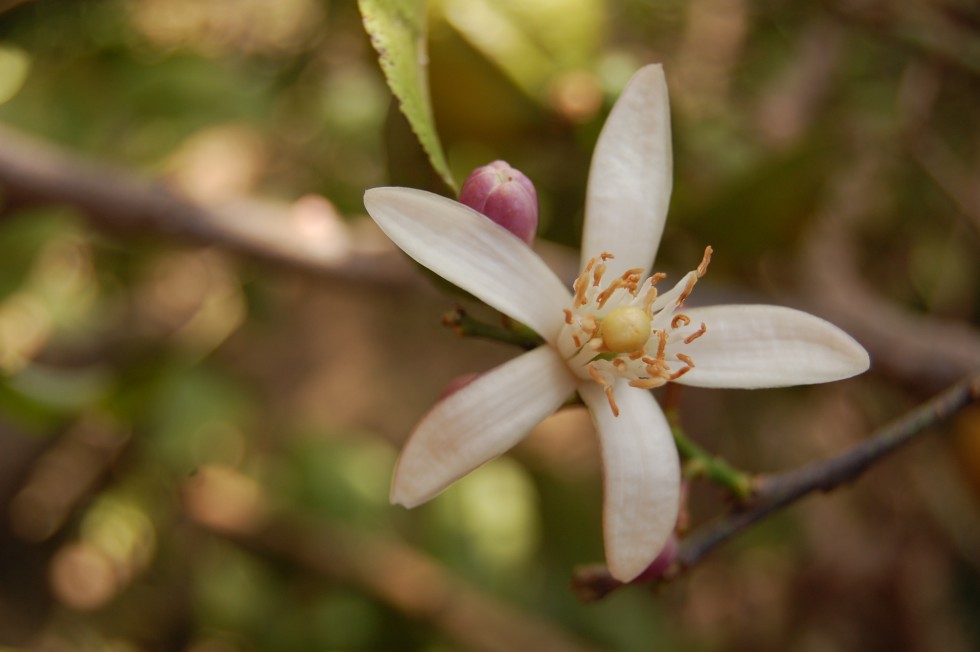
701,463
512,332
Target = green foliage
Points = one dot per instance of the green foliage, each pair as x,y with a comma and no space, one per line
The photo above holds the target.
397,29
135,364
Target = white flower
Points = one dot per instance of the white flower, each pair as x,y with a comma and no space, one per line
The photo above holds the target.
610,340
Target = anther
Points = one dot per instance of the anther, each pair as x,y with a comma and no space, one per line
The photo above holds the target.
580,286
679,319
686,359
602,382
679,373
687,291
696,334
597,275
646,383
703,267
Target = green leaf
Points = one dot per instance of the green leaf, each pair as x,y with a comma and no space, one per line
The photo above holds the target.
397,31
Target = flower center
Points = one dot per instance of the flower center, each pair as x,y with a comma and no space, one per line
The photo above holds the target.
626,329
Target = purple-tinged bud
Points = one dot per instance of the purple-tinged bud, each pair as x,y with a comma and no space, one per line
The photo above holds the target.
506,196
664,561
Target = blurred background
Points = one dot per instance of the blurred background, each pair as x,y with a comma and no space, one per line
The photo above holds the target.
209,358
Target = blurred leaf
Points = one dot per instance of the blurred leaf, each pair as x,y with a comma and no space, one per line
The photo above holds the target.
14,65
530,41
397,31
33,416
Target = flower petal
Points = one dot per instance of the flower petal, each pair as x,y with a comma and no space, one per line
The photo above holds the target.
469,250
631,176
479,422
751,346
641,476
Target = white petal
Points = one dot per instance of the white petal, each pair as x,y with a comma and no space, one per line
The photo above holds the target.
641,477
631,176
469,250
754,346
479,422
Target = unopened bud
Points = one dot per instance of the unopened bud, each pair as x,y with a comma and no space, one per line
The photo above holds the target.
664,560
506,196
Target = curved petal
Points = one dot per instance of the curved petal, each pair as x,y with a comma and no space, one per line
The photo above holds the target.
469,250
479,422
755,346
641,474
631,176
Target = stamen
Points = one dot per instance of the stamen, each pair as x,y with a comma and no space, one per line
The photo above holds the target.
589,325
686,359
662,335
679,318
657,368
649,298
604,384
597,275
646,383
679,373
608,292
687,291
696,334
568,316
703,267
580,286
612,401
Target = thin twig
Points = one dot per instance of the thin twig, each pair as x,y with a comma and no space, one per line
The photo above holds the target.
775,492
778,491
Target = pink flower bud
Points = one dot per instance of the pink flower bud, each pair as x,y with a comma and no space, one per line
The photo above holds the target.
504,195
664,560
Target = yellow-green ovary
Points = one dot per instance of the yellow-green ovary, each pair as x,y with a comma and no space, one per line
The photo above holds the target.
625,329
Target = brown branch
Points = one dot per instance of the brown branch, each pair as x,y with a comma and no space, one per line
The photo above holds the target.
921,350
230,506
778,491
35,172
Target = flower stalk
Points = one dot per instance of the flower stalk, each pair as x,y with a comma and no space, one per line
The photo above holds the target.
512,332
699,463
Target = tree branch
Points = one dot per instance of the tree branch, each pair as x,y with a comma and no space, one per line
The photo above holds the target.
35,172
778,491
923,351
